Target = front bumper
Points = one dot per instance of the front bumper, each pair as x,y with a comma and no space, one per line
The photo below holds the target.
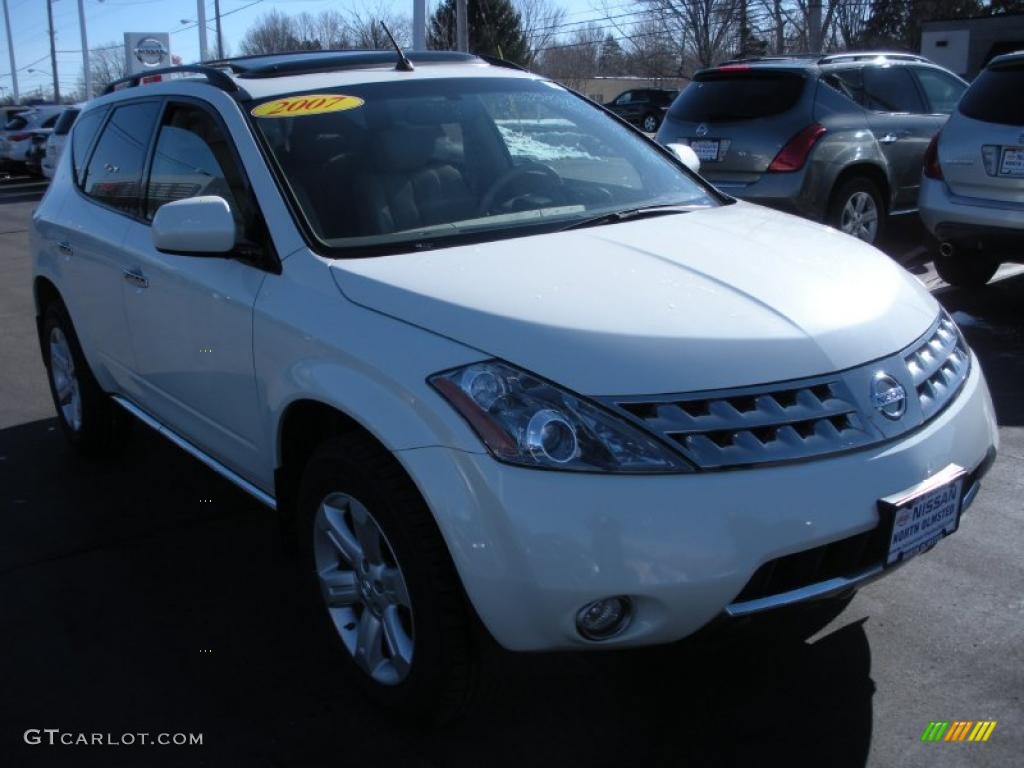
533,546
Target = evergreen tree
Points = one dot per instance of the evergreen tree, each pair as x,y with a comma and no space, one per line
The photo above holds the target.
495,29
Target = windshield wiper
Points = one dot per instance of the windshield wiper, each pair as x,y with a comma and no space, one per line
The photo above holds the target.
630,214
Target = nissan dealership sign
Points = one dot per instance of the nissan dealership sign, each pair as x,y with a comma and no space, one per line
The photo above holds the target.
147,50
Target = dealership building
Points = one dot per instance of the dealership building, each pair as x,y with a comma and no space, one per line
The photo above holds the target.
966,45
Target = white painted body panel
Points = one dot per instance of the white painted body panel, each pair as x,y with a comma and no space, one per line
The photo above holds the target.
711,299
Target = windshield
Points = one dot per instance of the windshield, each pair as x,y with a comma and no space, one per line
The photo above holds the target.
428,163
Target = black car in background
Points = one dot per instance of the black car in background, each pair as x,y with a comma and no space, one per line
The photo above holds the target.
643,107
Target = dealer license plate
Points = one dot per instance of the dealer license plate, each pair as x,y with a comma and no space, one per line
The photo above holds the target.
1012,165
705,149
924,514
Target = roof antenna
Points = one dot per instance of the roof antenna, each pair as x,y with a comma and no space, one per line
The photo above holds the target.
403,65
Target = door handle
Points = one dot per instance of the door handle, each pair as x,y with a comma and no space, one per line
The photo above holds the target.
65,248
136,278
892,138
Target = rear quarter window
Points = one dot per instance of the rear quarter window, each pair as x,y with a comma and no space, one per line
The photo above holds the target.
995,96
81,139
65,121
736,96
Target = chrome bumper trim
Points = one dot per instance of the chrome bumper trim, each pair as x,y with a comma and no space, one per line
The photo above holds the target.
185,445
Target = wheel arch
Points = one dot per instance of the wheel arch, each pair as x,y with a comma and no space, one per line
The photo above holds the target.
44,292
868,170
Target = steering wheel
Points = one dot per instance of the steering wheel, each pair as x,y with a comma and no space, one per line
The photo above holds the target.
532,172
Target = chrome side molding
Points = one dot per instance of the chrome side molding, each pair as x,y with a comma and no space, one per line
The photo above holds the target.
185,445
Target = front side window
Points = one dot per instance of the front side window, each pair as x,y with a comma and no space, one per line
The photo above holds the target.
891,89
428,163
115,168
943,91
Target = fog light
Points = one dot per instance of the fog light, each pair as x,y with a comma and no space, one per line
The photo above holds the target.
604,618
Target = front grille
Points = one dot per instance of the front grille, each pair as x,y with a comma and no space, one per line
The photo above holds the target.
808,418
939,366
746,427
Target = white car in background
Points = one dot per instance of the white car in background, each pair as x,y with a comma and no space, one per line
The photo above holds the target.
972,192
57,138
16,138
510,367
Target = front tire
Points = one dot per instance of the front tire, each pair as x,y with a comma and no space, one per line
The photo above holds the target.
89,419
965,269
388,592
857,209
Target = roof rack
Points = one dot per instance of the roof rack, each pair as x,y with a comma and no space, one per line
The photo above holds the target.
308,62
216,77
781,57
865,55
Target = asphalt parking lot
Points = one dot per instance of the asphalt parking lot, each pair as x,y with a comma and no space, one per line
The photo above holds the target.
128,605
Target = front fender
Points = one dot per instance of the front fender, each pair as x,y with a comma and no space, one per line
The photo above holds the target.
311,343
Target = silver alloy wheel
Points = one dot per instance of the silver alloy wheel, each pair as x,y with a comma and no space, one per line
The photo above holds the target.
65,381
860,217
364,589
650,124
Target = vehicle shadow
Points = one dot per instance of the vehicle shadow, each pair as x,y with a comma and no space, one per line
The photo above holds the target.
146,595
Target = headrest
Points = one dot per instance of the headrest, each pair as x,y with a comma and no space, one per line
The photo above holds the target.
405,149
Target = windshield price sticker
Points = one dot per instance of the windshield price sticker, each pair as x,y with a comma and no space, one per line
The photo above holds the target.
312,104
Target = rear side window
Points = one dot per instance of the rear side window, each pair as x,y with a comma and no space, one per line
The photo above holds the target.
65,121
735,96
81,139
891,89
943,91
995,96
50,121
115,167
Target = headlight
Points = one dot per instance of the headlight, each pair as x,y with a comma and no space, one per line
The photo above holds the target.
527,421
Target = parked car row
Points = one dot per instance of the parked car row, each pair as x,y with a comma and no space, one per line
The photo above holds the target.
25,141
853,139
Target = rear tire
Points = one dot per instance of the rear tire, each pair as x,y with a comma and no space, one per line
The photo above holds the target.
857,208
966,269
398,617
650,122
93,423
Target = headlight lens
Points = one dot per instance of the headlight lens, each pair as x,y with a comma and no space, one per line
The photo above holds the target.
527,421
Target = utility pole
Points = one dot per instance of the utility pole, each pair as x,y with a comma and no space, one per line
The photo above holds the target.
814,25
10,53
220,38
462,25
53,52
419,25
204,48
86,69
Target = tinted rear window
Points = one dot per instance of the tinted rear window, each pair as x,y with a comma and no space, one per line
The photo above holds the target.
65,121
995,96
733,96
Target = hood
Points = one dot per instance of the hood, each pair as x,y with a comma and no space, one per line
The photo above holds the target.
717,298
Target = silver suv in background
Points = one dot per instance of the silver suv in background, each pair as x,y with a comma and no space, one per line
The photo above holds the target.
972,193
837,138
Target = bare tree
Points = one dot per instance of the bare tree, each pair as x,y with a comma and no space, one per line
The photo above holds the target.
328,29
707,27
574,59
365,30
108,64
541,21
273,32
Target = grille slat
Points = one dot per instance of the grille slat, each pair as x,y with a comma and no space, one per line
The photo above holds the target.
790,421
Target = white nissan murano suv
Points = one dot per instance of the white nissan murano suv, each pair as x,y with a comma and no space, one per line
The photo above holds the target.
515,371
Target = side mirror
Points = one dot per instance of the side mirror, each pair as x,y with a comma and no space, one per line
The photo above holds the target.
686,156
194,225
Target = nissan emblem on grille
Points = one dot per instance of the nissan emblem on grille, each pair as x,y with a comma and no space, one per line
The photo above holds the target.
888,396
702,130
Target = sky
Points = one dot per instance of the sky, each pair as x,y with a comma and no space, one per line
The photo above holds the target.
108,20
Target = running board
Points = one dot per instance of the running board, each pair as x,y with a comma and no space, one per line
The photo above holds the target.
186,446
